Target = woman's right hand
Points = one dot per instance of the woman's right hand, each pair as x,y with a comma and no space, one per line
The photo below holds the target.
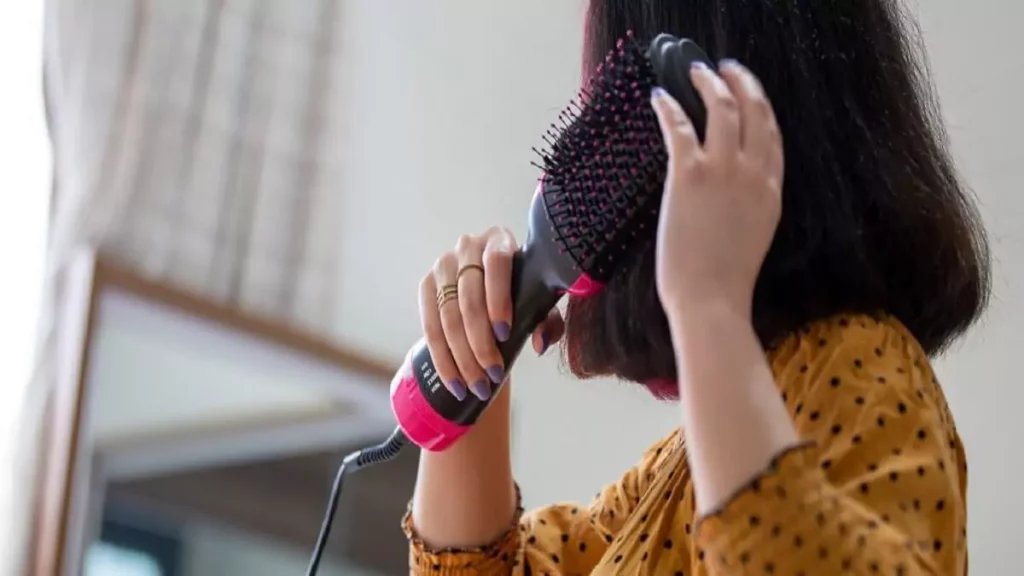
461,329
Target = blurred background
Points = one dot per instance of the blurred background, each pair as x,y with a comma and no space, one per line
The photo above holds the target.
265,182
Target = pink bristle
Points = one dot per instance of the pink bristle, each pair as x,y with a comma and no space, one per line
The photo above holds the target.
599,154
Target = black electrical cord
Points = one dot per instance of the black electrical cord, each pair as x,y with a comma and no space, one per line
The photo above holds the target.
382,452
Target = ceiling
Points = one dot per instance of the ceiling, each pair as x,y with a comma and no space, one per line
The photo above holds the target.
205,392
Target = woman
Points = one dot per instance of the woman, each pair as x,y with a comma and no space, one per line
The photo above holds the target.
792,317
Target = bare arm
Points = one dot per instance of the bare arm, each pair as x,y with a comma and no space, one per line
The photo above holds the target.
465,496
767,503
719,213
878,477
454,540
734,418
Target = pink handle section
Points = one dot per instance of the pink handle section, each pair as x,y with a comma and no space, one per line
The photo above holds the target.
585,287
417,419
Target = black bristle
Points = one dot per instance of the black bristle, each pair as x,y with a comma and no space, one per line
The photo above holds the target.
605,163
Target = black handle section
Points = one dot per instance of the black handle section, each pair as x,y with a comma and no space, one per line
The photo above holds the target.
532,300
672,59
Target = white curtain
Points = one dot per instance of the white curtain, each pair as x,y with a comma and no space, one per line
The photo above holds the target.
24,199
193,140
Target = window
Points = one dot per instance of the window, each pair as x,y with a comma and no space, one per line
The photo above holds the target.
105,559
131,550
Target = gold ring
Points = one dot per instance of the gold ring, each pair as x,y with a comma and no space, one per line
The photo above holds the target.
467,268
446,294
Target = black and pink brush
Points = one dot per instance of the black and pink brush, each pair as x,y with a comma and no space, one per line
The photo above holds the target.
598,198
597,201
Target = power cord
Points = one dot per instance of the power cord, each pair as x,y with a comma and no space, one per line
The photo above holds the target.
382,452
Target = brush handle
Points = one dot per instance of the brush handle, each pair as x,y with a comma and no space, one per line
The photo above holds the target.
427,412
542,272
532,301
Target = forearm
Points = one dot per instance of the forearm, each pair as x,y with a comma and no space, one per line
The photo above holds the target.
733,416
465,496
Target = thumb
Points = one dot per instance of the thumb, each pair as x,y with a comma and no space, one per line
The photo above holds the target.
549,332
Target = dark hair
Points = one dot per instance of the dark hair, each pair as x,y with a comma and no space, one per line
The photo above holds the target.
874,217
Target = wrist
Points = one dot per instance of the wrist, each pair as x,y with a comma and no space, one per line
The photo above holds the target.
685,313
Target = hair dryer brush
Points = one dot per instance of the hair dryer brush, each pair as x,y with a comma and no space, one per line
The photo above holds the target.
597,201
598,198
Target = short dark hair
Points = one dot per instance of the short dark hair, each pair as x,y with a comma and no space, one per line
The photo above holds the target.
875,219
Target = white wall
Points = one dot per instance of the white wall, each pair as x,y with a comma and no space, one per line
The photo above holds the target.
978,68
441,104
211,550
445,100
25,181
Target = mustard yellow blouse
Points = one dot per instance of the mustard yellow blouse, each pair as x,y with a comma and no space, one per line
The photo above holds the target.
878,488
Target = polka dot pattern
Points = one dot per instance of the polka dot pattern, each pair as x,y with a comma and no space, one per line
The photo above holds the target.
877,486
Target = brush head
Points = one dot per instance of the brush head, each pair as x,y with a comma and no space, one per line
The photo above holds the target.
604,167
605,164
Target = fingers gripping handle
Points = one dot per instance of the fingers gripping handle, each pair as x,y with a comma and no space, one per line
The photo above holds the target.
432,417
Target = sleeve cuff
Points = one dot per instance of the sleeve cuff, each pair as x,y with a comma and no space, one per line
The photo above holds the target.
792,483
494,557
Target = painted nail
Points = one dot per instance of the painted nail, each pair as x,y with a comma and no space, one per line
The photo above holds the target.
458,389
699,65
481,389
658,92
545,341
496,374
501,331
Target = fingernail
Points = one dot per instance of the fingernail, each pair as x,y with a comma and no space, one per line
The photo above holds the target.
728,62
657,92
699,65
458,389
496,374
545,341
501,331
481,389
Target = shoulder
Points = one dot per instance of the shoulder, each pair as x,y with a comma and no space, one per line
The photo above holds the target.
861,370
624,495
613,504
863,391
858,350
858,384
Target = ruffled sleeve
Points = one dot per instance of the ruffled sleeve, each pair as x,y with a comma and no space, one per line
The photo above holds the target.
560,539
880,486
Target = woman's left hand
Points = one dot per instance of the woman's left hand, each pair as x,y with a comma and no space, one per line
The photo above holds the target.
722,199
